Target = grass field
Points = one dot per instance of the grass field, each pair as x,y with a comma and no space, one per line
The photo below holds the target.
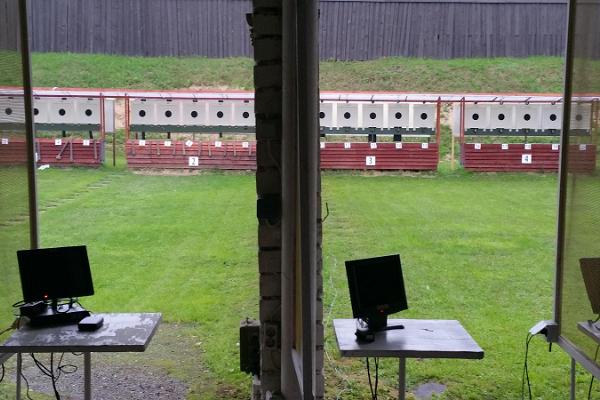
534,74
478,248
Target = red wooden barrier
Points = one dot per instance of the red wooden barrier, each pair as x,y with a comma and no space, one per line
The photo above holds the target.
517,157
227,155
55,152
13,151
380,156
70,152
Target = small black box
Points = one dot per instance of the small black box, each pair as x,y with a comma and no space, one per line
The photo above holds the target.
91,323
250,346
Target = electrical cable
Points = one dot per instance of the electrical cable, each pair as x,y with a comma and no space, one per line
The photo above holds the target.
49,372
376,375
27,385
6,330
373,390
54,379
592,380
525,375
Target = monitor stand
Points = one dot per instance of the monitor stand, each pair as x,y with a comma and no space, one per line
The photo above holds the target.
375,323
65,314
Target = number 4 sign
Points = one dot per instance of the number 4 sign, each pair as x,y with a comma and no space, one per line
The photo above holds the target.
526,159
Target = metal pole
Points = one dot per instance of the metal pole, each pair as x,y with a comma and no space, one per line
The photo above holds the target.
564,159
29,126
438,124
309,183
452,153
19,372
573,370
402,378
87,376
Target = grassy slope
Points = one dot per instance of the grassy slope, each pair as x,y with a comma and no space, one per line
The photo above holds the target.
536,74
474,248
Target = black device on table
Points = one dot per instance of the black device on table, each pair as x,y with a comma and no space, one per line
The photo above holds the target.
376,291
50,275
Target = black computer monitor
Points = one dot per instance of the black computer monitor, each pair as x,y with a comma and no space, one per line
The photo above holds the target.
55,273
376,289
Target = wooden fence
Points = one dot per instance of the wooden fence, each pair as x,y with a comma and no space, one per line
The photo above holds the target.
350,29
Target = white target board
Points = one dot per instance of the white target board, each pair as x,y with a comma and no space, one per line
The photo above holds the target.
526,159
528,116
502,116
219,113
143,112
423,116
326,115
398,115
347,115
551,116
372,115
193,112
370,161
477,116
193,161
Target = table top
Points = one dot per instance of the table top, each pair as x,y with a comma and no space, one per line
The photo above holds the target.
419,339
590,329
119,333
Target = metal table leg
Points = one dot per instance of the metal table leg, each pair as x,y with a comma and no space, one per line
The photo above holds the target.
19,372
87,376
573,367
402,379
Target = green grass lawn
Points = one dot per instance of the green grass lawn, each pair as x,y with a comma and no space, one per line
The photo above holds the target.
533,74
477,248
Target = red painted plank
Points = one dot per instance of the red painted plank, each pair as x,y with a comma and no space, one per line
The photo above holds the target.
544,158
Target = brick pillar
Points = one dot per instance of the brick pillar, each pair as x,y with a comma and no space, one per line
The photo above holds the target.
266,34
268,81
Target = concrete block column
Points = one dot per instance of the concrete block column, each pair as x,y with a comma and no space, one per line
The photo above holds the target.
266,38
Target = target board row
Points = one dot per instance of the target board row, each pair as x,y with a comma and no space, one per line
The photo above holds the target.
534,116
190,113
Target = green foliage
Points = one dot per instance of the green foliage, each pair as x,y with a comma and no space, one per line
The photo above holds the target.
534,74
109,71
491,75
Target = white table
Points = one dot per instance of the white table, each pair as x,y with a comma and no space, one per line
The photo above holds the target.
418,339
120,333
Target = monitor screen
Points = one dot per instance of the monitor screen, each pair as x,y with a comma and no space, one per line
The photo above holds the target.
55,273
376,286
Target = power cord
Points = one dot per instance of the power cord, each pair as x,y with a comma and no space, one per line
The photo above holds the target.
373,390
27,385
50,371
525,376
592,380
